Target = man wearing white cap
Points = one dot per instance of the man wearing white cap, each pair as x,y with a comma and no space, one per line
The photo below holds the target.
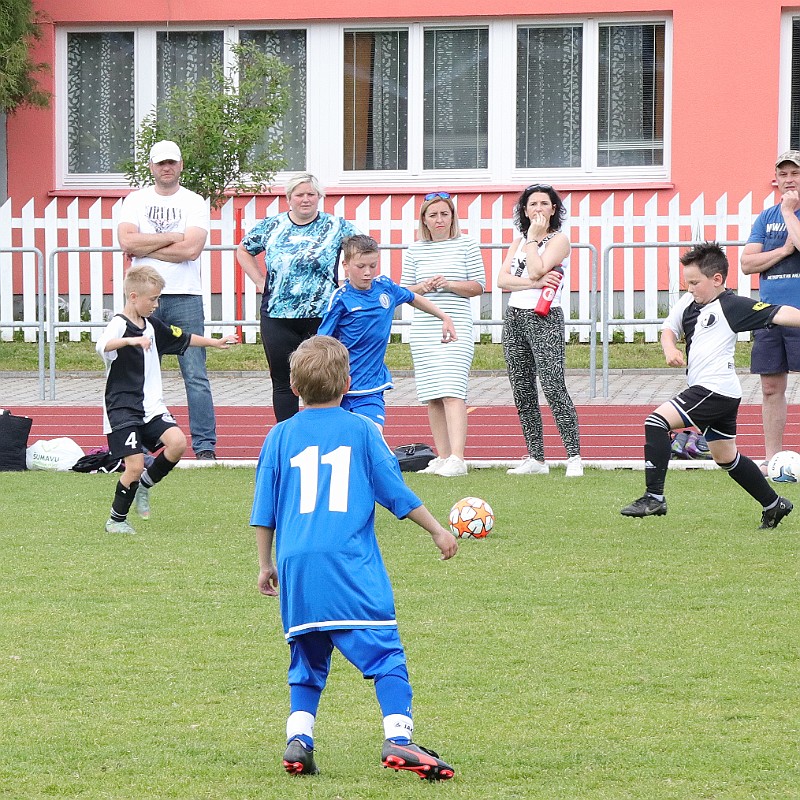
773,252
165,226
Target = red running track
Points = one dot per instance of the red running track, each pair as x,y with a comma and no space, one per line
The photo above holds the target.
607,432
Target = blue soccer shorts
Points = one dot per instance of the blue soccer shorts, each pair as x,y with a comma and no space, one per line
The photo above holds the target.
372,651
371,406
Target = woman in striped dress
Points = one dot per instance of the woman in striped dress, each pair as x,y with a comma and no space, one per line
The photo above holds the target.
447,268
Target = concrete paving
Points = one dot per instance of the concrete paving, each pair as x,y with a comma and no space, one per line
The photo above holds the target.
625,387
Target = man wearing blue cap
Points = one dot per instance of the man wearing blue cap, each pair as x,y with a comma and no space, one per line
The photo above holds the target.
773,252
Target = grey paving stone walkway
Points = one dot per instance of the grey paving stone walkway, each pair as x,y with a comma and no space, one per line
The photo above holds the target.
625,387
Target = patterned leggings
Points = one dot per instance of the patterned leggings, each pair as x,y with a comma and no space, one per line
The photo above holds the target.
532,346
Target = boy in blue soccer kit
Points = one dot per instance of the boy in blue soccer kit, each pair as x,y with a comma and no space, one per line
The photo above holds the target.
708,317
134,413
318,478
360,315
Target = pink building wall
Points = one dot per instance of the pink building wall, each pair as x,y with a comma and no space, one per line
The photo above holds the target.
725,79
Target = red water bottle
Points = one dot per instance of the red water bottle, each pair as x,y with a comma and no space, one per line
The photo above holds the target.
548,293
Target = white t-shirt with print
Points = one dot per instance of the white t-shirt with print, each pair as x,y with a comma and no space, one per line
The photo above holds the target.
157,213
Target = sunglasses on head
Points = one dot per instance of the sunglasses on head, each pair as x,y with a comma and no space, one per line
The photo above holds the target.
440,195
535,187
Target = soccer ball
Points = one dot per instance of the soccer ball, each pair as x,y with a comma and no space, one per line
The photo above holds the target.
784,467
471,518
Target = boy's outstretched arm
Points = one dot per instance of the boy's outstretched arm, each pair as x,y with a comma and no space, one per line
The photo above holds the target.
669,344
448,329
206,341
443,539
788,316
267,574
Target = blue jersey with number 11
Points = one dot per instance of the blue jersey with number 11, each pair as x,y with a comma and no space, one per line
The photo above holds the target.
318,478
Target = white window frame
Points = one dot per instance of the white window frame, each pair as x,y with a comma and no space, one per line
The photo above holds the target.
145,68
589,172
785,81
325,113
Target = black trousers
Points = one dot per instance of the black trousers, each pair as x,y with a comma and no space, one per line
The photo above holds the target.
280,338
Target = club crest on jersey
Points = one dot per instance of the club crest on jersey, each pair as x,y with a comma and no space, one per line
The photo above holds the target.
709,321
384,300
760,306
176,331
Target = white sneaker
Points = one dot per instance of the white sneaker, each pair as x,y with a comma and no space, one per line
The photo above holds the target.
453,467
141,501
574,467
119,527
433,465
529,466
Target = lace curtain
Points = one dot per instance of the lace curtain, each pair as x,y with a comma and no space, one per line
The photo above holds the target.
549,71
630,117
456,101
289,46
376,100
100,101
185,58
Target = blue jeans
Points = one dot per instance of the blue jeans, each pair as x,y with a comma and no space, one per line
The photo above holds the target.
186,311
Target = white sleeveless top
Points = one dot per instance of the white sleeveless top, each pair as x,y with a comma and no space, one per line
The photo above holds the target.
528,298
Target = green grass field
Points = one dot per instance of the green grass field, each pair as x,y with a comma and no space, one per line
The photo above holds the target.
572,654
22,356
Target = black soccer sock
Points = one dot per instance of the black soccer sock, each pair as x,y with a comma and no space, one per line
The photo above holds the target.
657,448
157,471
123,498
747,474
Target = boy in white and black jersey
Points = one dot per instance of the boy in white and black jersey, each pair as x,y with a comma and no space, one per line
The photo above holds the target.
134,413
707,318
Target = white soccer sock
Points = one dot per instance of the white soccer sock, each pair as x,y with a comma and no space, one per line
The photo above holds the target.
300,723
395,725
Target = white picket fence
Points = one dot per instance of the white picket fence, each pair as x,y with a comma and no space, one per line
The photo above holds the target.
644,282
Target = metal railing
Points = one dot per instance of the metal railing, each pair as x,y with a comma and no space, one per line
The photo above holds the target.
608,275
40,307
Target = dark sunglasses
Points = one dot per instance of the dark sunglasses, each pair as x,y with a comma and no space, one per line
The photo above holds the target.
440,195
535,187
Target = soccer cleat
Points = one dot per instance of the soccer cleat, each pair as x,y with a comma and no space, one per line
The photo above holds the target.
574,467
772,516
299,759
112,526
453,467
414,758
679,445
529,466
645,506
433,465
141,501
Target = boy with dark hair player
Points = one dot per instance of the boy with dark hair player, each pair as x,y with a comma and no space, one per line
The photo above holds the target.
708,317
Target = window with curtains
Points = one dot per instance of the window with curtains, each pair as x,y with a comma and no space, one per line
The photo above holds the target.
289,46
185,58
549,96
630,81
375,100
630,101
456,98
100,101
794,104
571,99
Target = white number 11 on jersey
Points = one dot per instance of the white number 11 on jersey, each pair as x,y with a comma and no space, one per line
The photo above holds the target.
308,462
